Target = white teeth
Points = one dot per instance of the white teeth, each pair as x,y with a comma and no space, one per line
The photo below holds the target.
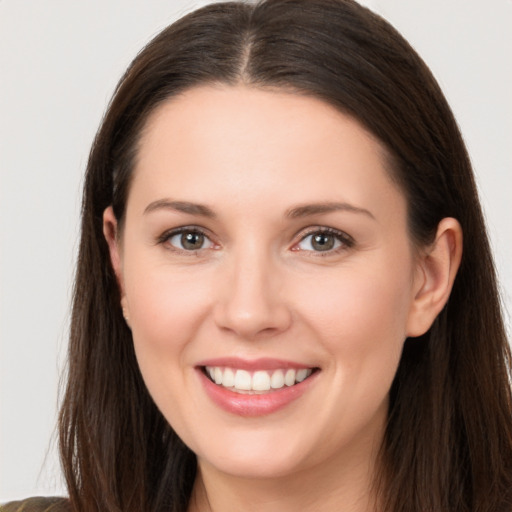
243,380
301,375
259,381
277,379
289,378
228,379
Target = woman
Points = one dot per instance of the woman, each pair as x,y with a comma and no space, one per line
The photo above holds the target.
285,295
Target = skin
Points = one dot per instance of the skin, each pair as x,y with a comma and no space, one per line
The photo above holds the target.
259,288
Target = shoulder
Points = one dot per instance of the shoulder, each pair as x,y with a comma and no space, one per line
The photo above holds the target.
38,504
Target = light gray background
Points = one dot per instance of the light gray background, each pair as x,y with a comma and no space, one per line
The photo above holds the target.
59,63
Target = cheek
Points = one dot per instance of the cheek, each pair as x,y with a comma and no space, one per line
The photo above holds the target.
360,323
166,308
361,317
166,313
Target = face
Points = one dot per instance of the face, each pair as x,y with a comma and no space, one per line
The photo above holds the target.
268,278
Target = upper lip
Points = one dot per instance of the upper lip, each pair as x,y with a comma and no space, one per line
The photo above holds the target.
263,363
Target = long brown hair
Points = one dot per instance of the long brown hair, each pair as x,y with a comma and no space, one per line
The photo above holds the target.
448,443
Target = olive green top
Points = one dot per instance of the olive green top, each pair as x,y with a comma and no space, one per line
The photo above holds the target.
38,504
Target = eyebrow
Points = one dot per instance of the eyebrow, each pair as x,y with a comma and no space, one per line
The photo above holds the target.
180,206
293,213
322,208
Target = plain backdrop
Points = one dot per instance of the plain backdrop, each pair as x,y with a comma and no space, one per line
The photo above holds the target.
59,63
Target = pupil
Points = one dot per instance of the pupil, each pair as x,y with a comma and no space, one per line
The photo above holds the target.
192,240
323,242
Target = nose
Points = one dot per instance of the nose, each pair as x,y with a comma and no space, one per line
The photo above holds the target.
251,298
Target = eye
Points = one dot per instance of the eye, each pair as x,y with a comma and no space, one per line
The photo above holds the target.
324,240
187,239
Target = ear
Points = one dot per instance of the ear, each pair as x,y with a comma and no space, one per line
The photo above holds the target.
436,271
111,233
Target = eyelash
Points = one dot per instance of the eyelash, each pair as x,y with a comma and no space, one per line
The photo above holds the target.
193,230
345,240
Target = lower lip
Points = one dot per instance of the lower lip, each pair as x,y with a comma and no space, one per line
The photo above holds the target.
243,404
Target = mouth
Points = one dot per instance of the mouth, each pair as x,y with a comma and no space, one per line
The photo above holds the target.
251,388
256,382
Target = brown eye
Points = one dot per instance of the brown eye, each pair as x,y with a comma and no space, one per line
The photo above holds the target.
190,241
324,241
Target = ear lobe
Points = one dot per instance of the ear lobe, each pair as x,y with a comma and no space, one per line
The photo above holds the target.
438,267
110,231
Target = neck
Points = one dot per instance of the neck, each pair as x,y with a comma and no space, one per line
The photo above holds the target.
340,484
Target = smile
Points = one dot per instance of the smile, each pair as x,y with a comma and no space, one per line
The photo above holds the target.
260,381
255,387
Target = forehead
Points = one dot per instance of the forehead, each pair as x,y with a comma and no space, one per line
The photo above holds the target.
238,111
243,142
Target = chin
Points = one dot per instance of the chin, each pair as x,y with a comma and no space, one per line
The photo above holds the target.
260,456
261,467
